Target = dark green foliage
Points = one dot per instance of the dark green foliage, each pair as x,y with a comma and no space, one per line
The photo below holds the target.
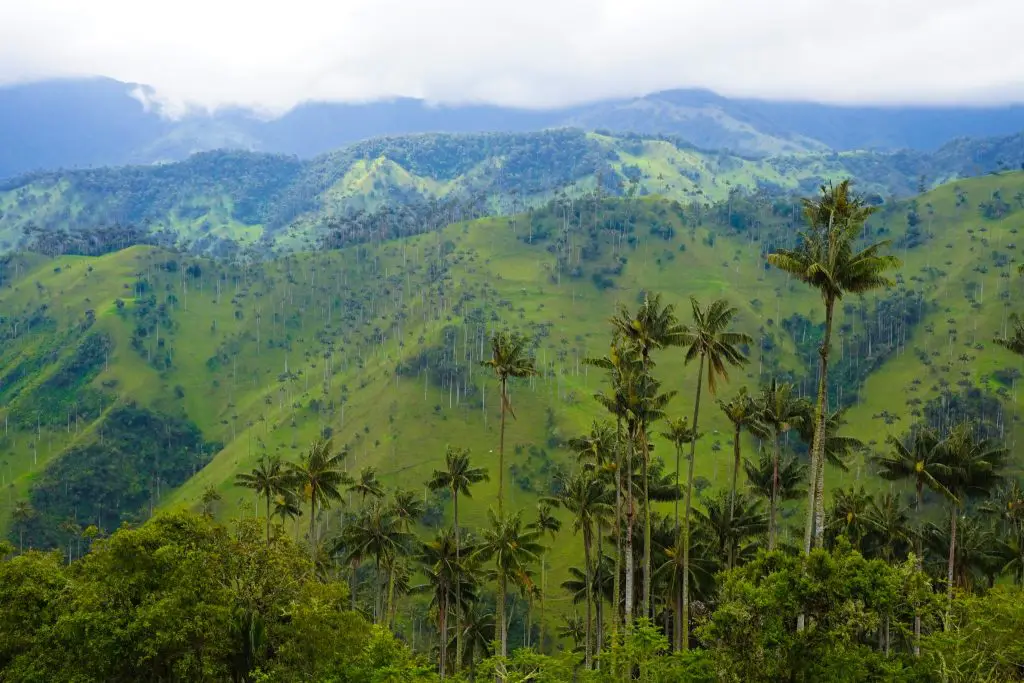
136,456
184,599
65,396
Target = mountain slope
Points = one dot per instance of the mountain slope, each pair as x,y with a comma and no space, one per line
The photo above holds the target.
379,345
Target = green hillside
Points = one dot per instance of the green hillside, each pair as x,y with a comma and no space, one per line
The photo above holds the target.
188,369
217,199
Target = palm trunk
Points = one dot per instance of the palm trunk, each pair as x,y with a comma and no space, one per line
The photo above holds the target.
389,608
647,524
819,504
588,587
268,517
677,638
920,563
735,481
616,599
772,531
501,455
502,624
949,565
679,460
312,527
458,583
628,618
543,579
599,626
815,527
442,616
684,625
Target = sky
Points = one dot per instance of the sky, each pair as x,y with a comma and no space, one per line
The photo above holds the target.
531,53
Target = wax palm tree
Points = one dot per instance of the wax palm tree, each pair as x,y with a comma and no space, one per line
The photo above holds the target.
509,358
972,468
974,550
512,548
545,523
478,631
584,496
367,485
889,534
920,459
710,342
624,367
742,412
21,515
680,567
653,327
269,478
827,259
679,434
320,477
732,525
286,507
379,533
837,448
458,476
778,410
409,508
1006,507
849,515
440,565
787,483
208,501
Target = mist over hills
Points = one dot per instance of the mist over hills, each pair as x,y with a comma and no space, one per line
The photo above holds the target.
94,122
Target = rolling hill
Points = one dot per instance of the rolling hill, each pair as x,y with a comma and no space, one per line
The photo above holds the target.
95,122
142,378
214,200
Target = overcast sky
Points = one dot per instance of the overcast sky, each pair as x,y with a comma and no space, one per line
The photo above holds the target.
272,55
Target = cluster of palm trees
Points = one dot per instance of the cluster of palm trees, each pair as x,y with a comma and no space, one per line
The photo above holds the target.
616,494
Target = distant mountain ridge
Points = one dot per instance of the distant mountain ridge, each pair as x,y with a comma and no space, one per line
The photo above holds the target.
97,122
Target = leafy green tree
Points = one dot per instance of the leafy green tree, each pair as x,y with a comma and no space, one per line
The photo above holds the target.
509,358
513,548
733,526
367,485
458,476
319,476
828,259
268,479
709,341
849,516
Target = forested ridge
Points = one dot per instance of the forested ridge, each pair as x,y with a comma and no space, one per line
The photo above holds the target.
217,201
610,437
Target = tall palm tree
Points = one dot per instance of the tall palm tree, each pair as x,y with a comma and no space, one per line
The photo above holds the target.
764,478
837,448
972,468
367,485
653,327
779,410
441,567
732,525
1015,342
624,368
21,515
585,497
920,459
742,413
286,506
379,532
679,434
545,523
710,342
827,259
513,548
1006,506
509,358
458,476
850,515
269,478
408,507
320,477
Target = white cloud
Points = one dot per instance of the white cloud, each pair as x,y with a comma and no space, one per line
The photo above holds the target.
271,55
